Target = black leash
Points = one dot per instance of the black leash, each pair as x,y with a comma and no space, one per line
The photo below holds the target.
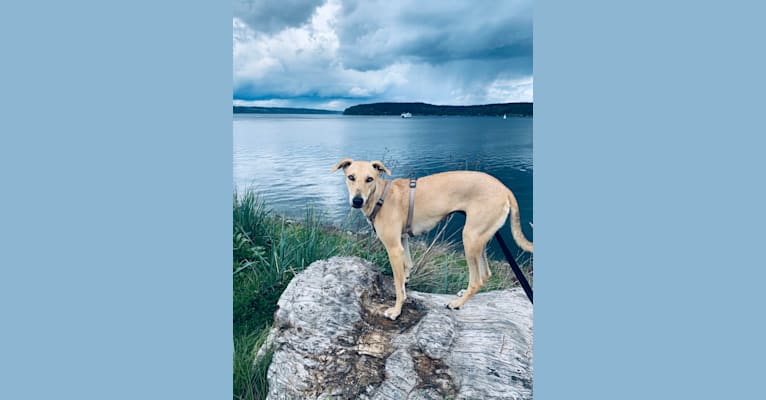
515,267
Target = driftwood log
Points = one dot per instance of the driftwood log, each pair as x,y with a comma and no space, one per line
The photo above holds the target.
330,340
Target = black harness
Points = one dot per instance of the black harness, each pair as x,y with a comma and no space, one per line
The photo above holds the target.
382,199
378,204
411,208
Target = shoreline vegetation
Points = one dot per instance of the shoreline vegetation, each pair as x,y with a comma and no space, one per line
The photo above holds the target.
397,109
280,110
494,110
270,249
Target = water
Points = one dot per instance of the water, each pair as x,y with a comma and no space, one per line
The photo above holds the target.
287,158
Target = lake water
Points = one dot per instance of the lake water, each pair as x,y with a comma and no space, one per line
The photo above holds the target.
287,158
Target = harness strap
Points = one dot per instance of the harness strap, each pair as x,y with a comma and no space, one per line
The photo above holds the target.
411,209
378,204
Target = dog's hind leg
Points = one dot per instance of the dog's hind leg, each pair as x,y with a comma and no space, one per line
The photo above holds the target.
481,223
484,271
484,265
474,251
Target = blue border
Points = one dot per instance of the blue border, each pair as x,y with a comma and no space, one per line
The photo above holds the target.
648,200
116,214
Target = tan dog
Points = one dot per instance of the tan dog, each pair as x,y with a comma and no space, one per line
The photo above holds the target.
484,199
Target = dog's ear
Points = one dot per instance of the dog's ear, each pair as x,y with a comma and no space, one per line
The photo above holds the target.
380,167
342,164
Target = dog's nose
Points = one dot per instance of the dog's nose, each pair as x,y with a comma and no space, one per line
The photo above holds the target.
357,202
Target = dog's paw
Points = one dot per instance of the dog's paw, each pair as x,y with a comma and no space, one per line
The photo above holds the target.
454,304
460,293
392,313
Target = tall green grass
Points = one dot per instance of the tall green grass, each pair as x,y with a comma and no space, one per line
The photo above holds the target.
269,250
249,376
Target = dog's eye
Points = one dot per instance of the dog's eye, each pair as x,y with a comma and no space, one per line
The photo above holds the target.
351,178
369,179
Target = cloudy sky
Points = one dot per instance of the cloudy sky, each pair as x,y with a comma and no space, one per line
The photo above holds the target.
333,54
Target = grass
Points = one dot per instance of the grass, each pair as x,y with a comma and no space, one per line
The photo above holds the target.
249,377
269,250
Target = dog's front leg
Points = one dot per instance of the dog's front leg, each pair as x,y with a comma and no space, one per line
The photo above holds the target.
407,260
396,257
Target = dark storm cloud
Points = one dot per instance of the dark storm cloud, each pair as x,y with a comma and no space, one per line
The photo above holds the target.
374,34
271,16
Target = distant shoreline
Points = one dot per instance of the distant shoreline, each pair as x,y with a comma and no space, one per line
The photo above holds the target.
280,110
500,109
396,109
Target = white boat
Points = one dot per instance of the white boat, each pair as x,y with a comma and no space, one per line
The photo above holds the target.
505,116
406,115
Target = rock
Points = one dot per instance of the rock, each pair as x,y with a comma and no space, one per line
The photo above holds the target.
331,340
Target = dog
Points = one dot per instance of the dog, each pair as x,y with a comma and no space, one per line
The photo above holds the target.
485,201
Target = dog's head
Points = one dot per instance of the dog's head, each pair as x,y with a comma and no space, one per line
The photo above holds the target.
361,177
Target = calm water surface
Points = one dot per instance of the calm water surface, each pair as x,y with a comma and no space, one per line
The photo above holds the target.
287,158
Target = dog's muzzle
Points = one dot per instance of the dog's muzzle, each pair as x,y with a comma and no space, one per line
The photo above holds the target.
357,202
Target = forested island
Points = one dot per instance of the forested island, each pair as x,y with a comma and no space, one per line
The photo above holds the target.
279,110
508,109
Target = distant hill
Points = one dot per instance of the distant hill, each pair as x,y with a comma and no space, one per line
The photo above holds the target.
510,109
279,110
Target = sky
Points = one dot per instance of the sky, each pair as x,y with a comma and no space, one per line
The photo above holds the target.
332,54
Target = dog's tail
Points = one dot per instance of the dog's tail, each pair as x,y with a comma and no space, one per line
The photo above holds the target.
516,232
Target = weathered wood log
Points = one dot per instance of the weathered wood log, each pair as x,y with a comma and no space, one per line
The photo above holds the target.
331,340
